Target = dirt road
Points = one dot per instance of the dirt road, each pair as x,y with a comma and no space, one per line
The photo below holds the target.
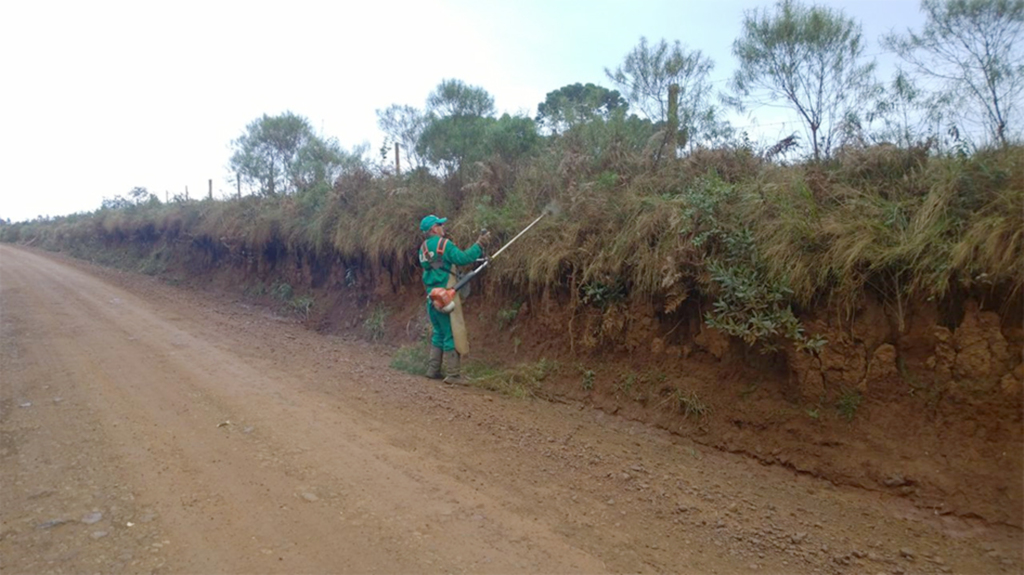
147,428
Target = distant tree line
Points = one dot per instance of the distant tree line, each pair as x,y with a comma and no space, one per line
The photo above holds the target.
960,84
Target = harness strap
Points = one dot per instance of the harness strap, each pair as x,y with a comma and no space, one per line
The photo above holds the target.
436,260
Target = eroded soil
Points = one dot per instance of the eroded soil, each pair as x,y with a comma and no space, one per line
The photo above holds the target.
147,428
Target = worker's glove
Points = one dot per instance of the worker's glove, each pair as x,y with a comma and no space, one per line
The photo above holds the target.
484,236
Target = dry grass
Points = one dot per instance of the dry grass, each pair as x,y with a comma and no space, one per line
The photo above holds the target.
899,222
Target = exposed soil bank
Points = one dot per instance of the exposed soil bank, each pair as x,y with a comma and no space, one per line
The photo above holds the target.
924,401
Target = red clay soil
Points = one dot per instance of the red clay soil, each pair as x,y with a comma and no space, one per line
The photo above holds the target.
152,428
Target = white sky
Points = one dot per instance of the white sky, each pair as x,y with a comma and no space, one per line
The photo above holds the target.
99,97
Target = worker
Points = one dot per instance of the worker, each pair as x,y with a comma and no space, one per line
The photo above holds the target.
437,257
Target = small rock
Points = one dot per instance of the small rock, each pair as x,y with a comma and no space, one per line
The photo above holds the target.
733,507
26,404
51,523
753,566
147,518
611,502
798,538
91,518
248,429
907,554
857,553
98,534
310,497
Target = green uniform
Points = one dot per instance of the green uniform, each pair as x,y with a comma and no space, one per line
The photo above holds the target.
433,278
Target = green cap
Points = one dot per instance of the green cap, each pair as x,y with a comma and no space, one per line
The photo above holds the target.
429,222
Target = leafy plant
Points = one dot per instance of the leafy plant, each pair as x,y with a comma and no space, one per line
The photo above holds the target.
588,378
750,303
508,315
282,291
691,404
602,295
374,325
848,404
302,305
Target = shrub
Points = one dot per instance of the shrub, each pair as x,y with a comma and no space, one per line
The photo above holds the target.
374,325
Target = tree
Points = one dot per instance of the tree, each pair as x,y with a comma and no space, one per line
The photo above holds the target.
451,142
455,127
512,138
282,155
576,103
974,49
138,196
808,57
456,98
402,125
901,112
648,71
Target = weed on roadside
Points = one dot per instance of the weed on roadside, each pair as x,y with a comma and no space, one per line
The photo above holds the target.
302,305
153,265
282,291
411,359
508,315
686,402
690,403
848,404
519,381
256,289
374,325
588,378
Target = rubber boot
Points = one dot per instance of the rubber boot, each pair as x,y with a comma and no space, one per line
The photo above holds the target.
453,365
434,364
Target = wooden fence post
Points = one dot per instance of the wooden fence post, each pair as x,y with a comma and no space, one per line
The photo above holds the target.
673,120
211,188
398,165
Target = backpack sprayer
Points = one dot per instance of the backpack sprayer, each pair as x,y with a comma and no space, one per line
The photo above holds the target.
443,299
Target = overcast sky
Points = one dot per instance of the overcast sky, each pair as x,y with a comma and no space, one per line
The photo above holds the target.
100,97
